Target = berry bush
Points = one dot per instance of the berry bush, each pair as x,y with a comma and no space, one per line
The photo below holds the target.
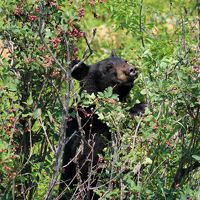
153,156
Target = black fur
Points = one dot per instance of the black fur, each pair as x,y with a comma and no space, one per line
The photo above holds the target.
94,135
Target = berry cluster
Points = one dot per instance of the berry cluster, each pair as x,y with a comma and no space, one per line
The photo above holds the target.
75,33
196,69
54,4
81,13
55,42
48,61
18,11
32,18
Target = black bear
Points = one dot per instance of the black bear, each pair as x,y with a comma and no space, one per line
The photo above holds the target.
88,136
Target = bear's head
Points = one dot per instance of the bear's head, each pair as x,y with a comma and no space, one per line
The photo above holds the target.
112,72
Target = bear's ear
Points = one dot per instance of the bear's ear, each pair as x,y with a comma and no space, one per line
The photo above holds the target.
80,72
113,54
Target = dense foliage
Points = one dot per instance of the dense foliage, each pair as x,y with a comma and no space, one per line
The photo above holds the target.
154,156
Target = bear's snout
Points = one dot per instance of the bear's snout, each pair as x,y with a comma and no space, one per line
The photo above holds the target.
131,72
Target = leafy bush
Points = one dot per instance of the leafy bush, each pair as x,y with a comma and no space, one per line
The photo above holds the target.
153,156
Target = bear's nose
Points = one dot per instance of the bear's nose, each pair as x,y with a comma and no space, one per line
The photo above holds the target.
132,71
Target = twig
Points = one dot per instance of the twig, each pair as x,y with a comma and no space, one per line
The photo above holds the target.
88,52
136,131
91,158
57,92
154,171
62,138
183,32
198,12
41,28
140,24
79,152
185,159
46,136
35,104
180,61
114,160
81,148
59,151
181,173
13,189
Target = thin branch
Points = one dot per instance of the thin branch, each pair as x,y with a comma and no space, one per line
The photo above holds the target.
59,151
62,138
31,149
180,61
46,136
35,104
88,52
183,32
198,12
41,28
140,24
181,173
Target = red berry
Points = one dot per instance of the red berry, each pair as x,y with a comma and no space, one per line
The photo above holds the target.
11,110
101,159
177,186
155,127
18,11
48,61
81,12
37,10
32,17
29,60
7,168
14,174
53,3
92,2
12,119
41,48
196,69
102,1
55,42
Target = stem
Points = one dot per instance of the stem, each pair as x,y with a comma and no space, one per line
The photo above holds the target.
88,52
140,24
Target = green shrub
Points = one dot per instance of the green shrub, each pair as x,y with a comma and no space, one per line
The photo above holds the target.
154,156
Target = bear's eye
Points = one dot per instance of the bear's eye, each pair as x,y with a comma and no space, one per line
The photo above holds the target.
109,67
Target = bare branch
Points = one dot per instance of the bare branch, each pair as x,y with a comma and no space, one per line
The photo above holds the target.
46,136
61,143
88,52
182,172
62,138
140,24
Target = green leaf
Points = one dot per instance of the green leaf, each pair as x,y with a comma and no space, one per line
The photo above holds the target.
50,116
36,126
147,161
108,92
92,96
37,113
26,115
12,87
100,116
196,157
143,92
30,100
